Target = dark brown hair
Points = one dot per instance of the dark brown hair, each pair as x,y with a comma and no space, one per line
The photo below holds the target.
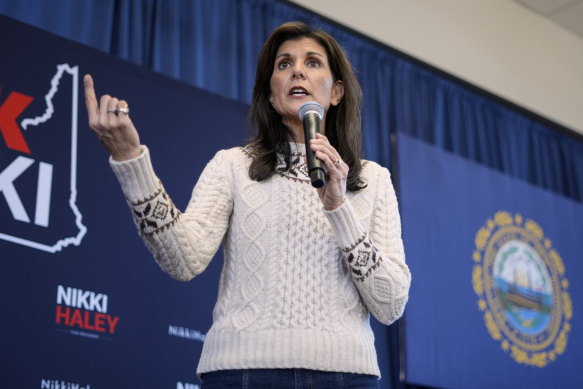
343,121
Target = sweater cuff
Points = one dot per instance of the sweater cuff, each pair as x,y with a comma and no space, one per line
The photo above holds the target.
349,230
136,176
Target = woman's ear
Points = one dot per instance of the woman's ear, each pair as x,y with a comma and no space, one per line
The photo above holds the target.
337,92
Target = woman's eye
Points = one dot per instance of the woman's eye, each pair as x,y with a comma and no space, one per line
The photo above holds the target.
314,63
284,64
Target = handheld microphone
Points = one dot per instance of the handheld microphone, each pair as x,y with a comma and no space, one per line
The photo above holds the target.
311,114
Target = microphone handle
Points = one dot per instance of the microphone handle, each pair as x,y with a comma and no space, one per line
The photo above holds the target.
316,168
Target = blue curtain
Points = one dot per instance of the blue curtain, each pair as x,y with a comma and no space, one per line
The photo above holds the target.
214,45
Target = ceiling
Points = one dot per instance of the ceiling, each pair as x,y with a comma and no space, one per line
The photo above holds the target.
566,13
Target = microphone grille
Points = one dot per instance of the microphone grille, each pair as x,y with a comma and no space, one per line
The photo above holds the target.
311,107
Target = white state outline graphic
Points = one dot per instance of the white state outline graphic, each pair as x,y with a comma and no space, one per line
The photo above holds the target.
75,240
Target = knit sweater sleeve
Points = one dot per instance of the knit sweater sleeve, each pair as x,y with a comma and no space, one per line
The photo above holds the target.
375,255
183,244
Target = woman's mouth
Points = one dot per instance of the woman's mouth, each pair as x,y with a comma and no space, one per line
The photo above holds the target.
298,91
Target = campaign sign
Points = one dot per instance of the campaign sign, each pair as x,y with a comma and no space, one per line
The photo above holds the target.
32,164
84,305
497,276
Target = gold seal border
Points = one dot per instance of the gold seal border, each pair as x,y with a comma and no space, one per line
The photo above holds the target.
557,343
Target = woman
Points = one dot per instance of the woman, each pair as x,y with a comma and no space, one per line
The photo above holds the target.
303,267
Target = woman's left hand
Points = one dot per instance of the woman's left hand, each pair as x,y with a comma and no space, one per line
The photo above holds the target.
333,192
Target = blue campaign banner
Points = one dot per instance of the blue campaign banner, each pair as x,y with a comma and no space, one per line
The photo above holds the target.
83,302
497,276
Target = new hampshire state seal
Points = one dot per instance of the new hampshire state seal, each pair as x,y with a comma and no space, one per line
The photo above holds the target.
522,290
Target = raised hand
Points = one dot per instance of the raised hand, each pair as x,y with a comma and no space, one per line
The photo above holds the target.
333,192
111,123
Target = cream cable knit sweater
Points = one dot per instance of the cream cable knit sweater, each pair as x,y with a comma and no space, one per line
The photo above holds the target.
298,282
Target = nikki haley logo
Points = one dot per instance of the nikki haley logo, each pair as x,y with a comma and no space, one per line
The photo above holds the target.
38,165
82,310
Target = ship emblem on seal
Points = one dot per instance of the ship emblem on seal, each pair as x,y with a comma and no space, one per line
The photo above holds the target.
522,290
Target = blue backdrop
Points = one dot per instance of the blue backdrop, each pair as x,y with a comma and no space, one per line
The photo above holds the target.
213,44
497,276
84,303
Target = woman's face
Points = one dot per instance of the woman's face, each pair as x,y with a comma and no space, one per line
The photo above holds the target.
301,73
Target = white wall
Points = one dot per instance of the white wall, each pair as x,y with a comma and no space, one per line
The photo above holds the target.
497,45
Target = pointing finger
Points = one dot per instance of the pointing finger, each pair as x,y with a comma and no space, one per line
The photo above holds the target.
90,99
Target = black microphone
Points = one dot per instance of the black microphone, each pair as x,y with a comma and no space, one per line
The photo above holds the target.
311,114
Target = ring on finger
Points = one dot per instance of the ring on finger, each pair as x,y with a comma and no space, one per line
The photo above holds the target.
125,110
338,162
113,111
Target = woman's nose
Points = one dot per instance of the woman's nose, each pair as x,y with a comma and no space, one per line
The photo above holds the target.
298,72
